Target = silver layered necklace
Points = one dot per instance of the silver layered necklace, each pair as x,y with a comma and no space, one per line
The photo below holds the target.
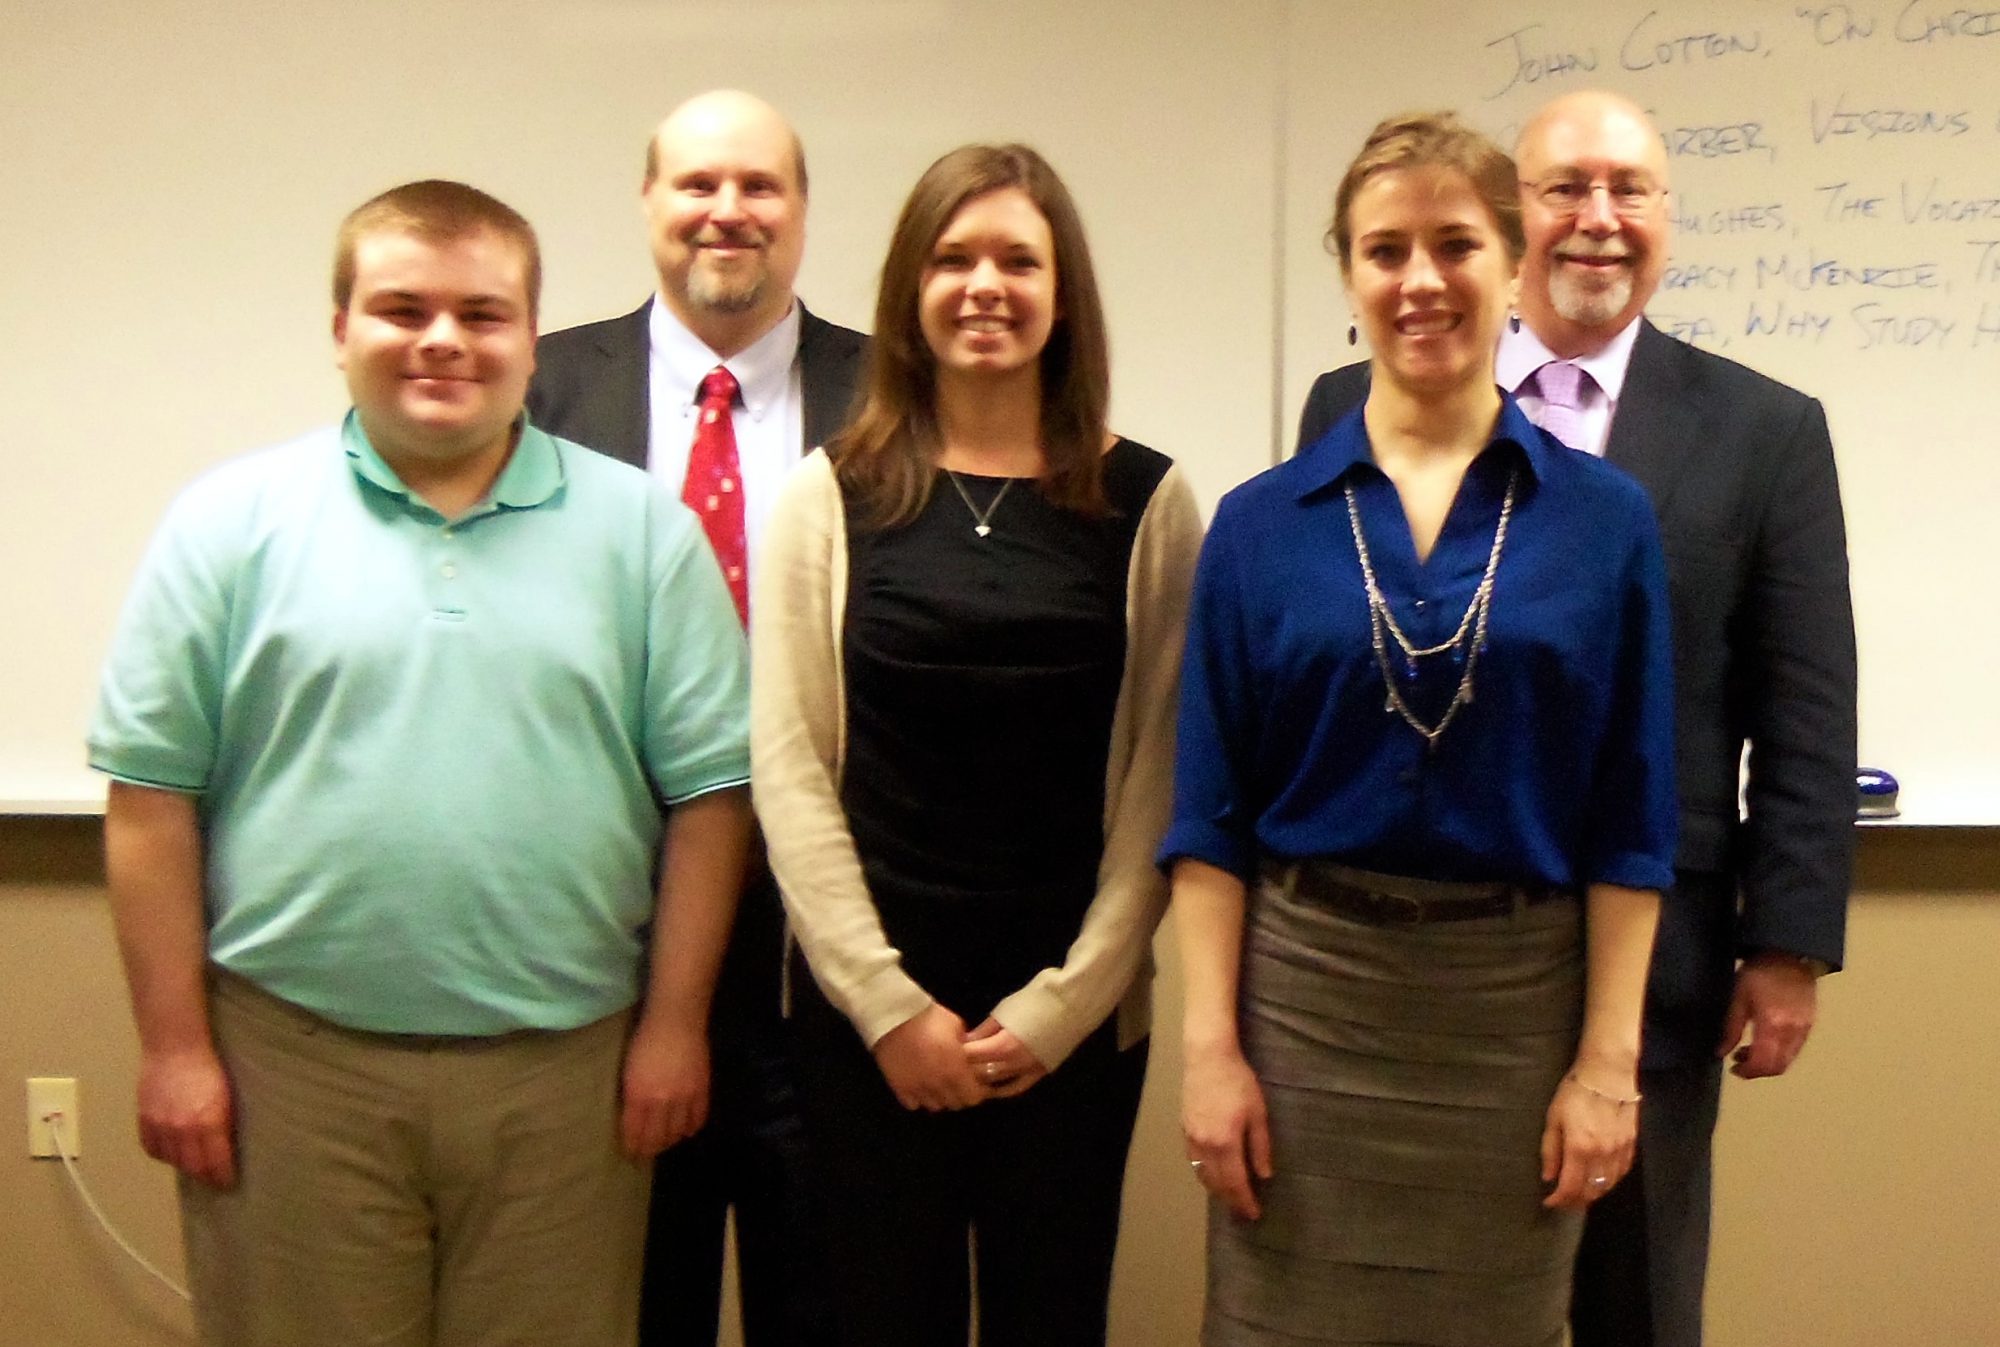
1464,644
982,520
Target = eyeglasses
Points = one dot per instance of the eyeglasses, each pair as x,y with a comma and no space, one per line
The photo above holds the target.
1566,194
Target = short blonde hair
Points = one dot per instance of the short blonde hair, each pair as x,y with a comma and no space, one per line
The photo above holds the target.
1431,140
436,210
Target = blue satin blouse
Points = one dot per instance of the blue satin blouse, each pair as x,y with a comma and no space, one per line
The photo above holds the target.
1560,771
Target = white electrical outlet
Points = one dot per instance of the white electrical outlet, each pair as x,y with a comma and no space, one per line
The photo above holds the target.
53,1094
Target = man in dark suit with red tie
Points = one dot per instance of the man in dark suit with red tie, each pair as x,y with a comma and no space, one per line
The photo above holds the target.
1741,472
719,384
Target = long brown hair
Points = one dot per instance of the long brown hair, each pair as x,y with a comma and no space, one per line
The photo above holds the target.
888,455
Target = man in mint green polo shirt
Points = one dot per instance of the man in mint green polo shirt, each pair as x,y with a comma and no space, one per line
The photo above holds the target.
391,719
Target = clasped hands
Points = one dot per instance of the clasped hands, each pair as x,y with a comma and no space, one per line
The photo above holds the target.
933,1062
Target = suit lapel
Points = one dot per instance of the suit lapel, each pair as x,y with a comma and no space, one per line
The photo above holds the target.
623,387
1654,434
621,382
827,380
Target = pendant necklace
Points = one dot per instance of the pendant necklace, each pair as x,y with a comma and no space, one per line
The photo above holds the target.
1464,644
982,520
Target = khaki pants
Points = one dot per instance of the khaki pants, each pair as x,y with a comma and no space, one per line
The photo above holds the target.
402,1191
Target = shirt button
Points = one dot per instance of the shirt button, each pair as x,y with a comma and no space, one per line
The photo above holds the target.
1409,776
1420,605
736,572
448,571
714,502
729,484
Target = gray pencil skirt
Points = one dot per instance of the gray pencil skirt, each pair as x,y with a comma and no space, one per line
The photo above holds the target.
1408,1070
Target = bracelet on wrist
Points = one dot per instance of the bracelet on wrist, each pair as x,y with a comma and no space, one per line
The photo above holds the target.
1588,1088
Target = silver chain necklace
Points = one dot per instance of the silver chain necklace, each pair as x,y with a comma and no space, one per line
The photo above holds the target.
1465,643
982,520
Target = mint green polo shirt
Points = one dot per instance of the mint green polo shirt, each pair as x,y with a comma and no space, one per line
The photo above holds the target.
427,752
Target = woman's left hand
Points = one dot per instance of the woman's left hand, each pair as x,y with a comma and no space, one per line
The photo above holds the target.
1001,1061
1587,1143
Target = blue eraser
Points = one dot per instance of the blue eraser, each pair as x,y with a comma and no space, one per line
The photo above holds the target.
1875,790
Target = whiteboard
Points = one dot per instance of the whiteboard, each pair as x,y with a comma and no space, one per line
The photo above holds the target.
1836,174
174,175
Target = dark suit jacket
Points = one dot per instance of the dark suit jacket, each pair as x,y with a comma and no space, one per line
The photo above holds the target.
591,382
1741,472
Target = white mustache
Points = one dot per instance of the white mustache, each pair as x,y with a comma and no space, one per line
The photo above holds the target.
1607,248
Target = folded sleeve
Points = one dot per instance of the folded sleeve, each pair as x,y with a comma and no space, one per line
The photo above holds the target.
697,691
1635,808
1213,820
1061,1006
159,708
796,739
1799,840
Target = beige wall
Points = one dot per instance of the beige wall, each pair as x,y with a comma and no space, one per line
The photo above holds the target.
1854,1199
63,1013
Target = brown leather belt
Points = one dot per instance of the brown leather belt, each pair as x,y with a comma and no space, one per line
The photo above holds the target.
1410,902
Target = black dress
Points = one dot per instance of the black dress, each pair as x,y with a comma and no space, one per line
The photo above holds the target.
982,675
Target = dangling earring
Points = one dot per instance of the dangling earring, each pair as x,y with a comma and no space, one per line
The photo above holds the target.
1513,322
1353,335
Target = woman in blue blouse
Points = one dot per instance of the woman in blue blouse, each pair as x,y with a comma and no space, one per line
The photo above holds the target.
1424,810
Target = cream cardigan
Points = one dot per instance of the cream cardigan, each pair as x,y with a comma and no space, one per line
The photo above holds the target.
798,734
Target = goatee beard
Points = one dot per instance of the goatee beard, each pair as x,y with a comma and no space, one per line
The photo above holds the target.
1588,306
721,297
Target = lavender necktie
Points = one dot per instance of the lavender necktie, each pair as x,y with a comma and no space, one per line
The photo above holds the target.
1561,387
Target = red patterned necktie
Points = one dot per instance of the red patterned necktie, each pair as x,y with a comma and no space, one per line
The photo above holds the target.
714,485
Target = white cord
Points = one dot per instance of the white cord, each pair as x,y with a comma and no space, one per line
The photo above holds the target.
55,1125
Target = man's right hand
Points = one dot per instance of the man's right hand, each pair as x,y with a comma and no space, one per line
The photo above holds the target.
924,1061
185,1115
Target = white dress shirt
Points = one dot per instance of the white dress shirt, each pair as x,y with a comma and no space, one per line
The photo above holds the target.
770,415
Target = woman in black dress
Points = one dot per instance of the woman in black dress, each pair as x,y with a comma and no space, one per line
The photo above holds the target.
966,635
